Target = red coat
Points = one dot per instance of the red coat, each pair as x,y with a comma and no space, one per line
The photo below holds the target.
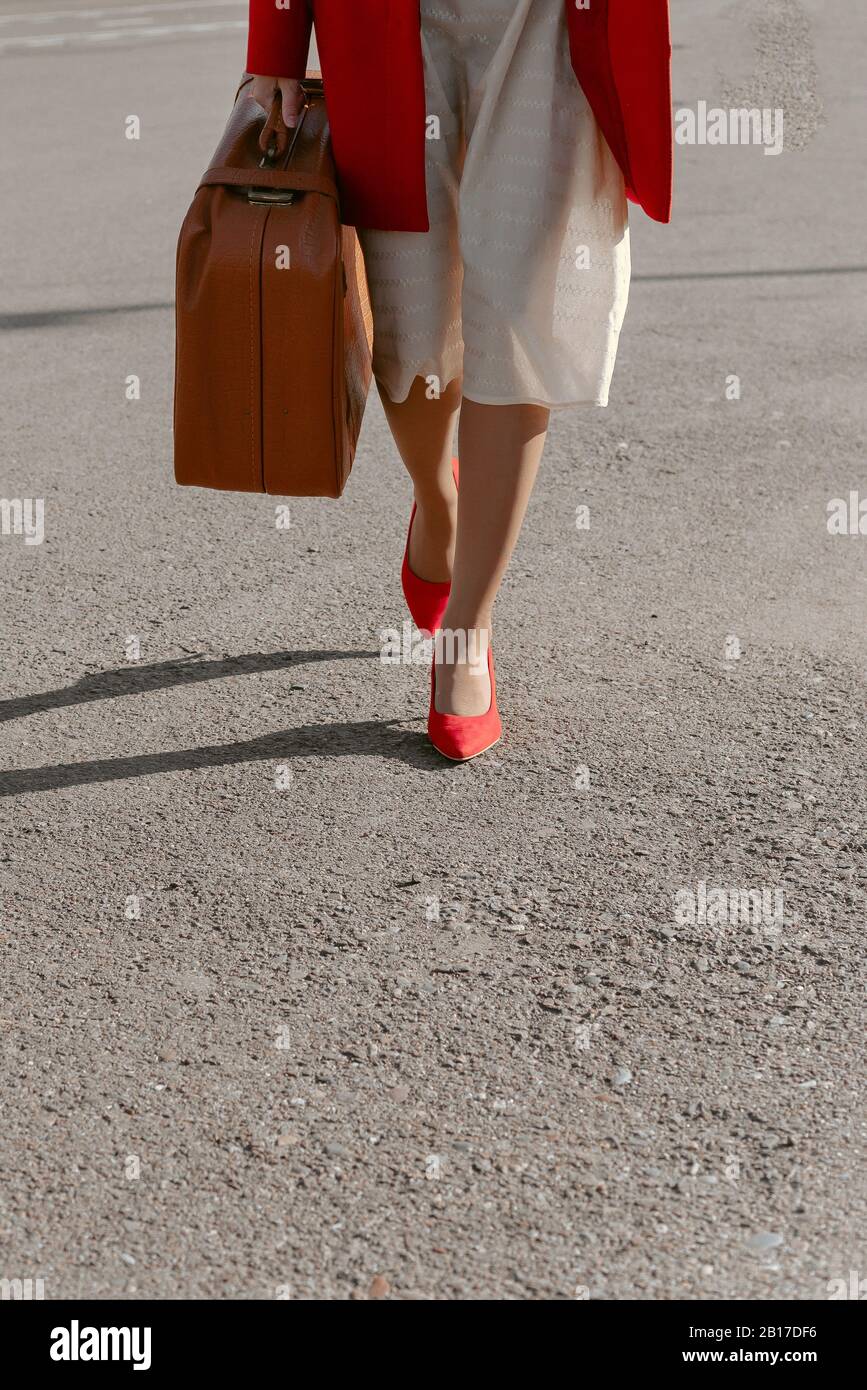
371,58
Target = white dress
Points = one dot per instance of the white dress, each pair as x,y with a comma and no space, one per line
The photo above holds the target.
521,284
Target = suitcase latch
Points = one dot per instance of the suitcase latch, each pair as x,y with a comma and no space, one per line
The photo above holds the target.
268,196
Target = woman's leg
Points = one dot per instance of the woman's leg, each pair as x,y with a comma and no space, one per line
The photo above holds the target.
469,535
424,433
499,447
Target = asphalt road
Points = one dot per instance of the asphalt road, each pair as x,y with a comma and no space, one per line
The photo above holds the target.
286,1001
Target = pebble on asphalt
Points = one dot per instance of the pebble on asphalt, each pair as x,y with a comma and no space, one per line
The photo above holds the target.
765,1240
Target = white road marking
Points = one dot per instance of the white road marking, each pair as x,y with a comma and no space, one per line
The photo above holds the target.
106,23
106,35
45,16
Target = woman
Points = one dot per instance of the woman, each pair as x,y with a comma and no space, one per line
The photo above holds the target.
485,151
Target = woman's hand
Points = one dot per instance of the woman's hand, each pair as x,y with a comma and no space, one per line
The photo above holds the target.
264,89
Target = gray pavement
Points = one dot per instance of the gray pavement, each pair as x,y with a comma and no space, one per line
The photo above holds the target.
289,1004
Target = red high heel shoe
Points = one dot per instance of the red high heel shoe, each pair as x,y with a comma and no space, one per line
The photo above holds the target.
464,736
425,599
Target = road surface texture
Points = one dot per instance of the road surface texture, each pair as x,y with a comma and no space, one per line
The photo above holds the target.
290,1006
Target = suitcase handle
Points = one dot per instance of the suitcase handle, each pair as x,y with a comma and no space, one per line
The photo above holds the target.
274,181
274,138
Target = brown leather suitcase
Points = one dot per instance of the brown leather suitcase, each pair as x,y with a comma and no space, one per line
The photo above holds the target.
273,325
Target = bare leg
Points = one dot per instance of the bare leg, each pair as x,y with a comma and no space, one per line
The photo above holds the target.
469,538
424,432
499,447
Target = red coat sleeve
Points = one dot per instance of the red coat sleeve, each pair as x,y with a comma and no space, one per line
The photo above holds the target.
279,38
